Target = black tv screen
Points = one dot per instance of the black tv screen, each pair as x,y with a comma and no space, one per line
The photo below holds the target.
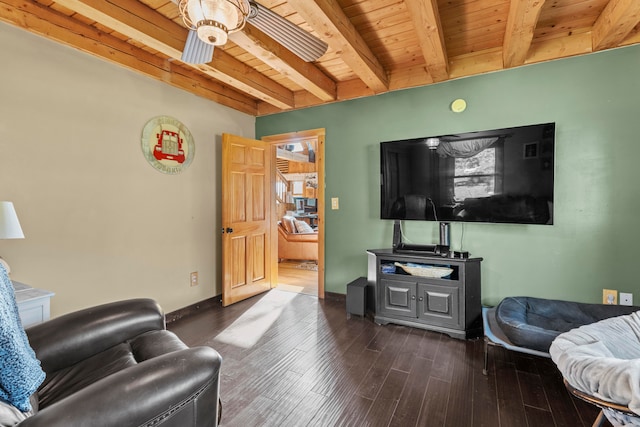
498,176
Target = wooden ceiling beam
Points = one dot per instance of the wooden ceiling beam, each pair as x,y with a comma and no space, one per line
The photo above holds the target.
560,47
521,23
426,21
141,23
485,61
614,24
303,98
272,53
349,89
633,38
540,51
411,77
46,22
330,22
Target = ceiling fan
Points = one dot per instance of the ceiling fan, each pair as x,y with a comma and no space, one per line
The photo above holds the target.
434,142
210,22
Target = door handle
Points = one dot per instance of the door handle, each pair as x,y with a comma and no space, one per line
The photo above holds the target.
420,299
229,230
413,297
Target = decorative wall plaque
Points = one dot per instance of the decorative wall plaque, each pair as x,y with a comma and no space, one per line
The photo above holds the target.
167,144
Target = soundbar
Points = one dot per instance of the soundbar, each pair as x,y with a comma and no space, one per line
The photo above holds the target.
410,248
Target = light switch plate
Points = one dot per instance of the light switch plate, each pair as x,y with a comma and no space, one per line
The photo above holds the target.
335,203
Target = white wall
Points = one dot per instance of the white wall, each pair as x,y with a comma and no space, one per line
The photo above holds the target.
100,223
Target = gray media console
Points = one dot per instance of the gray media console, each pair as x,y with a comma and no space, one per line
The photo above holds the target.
449,304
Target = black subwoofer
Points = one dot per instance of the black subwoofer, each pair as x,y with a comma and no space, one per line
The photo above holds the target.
357,297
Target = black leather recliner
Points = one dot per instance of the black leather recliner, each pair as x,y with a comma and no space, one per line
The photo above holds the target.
117,365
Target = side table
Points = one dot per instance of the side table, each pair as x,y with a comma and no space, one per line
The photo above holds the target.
33,304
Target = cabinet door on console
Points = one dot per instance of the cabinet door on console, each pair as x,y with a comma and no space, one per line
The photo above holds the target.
440,305
398,298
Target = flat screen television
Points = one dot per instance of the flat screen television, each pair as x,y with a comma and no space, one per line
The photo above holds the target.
496,176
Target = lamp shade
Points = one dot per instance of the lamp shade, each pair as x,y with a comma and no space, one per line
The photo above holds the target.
9,224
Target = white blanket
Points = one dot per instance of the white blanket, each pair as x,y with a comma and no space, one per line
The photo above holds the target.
603,359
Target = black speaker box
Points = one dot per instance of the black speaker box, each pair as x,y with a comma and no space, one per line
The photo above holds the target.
357,297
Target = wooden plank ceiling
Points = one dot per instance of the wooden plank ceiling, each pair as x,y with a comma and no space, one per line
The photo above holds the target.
375,46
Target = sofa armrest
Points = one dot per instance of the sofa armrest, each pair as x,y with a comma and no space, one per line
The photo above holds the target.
298,237
65,340
180,387
303,237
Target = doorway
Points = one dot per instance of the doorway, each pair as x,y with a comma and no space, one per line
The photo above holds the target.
303,200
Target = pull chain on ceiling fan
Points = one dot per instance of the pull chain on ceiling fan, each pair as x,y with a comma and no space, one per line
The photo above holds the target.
211,21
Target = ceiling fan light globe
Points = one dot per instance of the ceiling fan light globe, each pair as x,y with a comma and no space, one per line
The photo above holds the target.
212,32
194,10
223,12
230,13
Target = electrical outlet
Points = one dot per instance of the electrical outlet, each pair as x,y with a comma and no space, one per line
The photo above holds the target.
335,203
626,298
609,296
194,278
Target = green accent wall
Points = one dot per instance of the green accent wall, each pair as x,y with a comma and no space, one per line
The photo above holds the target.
595,102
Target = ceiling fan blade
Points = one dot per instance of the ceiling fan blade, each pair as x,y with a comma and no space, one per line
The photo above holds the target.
196,51
297,40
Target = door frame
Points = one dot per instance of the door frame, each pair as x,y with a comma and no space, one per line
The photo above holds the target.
319,134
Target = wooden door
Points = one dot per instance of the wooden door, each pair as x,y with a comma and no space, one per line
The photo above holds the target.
247,242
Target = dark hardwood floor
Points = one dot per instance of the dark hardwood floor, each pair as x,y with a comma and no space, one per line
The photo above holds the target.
290,359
